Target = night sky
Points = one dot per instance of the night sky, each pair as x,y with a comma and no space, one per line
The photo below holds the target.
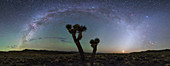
121,25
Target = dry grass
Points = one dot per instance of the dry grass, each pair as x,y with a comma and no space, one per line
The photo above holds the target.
51,59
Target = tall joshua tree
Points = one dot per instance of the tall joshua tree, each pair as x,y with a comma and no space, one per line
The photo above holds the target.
94,44
77,29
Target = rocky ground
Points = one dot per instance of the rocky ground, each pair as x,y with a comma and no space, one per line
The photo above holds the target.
36,58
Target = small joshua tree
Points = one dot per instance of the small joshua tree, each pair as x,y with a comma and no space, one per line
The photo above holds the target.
77,29
94,44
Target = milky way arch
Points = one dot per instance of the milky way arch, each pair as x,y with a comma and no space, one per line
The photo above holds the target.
115,17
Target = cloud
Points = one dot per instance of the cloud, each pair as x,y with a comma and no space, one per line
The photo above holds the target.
62,39
32,39
12,46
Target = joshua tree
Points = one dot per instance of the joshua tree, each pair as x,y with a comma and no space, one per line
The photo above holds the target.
94,44
77,29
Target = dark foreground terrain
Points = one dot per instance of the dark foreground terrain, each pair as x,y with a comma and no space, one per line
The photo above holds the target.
55,58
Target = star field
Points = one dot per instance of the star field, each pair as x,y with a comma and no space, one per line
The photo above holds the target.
121,25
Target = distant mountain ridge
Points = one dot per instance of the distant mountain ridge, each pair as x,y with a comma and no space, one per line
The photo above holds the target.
41,51
147,51
156,50
71,52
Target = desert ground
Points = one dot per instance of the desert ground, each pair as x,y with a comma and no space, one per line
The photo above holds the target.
56,58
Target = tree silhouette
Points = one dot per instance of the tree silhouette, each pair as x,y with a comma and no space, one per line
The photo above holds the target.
77,29
94,44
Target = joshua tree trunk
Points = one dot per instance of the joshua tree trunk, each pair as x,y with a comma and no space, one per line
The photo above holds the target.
80,36
77,29
93,55
79,47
